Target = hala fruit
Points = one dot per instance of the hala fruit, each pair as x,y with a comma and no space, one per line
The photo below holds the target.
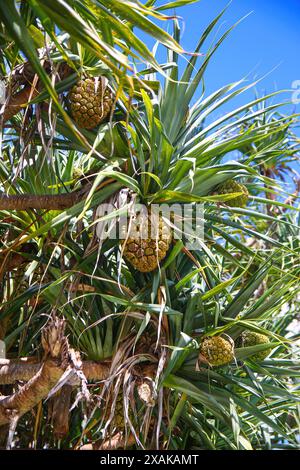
217,351
251,338
90,102
230,187
147,241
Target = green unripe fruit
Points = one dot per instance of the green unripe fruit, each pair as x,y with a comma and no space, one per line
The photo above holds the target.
230,187
251,338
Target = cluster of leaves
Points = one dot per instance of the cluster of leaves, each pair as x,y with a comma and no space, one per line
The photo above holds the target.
166,145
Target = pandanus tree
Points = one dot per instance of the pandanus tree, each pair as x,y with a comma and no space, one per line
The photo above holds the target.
181,339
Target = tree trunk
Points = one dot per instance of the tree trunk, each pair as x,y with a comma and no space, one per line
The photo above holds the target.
24,74
12,371
61,411
18,102
47,202
31,393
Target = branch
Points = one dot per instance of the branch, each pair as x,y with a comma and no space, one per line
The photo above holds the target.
24,74
58,358
60,411
12,371
18,102
47,201
31,393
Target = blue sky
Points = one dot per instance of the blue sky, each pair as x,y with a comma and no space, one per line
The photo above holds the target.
268,38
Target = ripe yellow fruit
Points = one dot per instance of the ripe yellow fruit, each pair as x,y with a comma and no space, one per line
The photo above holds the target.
217,350
91,101
233,186
251,338
147,241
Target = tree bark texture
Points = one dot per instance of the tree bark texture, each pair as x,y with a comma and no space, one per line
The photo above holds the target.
12,371
32,201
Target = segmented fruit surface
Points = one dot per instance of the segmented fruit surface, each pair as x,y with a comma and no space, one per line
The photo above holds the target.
117,420
251,338
233,186
217,350
90,102
148,240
